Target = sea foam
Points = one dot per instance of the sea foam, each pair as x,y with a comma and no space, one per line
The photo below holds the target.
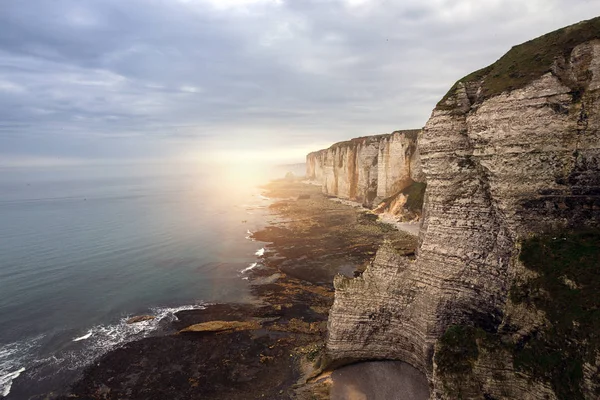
6,381
103,338
15,358
86,336
250,267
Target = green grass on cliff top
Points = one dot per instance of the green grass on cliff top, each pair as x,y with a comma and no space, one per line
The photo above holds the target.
528,61
410,133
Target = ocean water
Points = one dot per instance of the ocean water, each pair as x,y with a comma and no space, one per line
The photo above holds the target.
81,254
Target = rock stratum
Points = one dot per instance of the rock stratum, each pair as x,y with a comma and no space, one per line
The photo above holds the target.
372,170
511,153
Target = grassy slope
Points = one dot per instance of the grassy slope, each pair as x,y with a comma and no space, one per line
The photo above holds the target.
528,61
411,133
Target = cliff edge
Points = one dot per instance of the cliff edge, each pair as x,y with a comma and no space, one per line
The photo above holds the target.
511,153
381,170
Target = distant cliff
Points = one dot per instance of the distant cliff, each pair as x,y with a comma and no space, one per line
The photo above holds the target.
493,307
368,170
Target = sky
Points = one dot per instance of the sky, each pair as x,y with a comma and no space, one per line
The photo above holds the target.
110,82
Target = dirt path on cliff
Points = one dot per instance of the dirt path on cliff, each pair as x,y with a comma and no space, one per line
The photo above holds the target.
263,350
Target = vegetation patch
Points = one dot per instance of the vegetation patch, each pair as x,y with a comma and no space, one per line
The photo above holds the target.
416,195
567,289
411,134
457,350
529,61
476,76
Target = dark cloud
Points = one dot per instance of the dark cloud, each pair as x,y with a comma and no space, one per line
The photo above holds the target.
156,78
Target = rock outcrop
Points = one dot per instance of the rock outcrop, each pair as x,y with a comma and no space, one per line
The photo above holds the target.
398,163
512,150
367,169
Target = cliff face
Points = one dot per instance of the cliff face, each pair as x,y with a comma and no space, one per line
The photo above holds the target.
399,163
367,169
510,151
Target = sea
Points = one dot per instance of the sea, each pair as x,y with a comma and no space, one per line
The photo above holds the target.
84,249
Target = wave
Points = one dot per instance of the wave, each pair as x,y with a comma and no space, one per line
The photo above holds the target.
249,234
106,337
18,357
260,252
250,267
6,381
86,336
13,358
250,207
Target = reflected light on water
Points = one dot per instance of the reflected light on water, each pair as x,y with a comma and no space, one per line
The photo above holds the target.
236,177
82,248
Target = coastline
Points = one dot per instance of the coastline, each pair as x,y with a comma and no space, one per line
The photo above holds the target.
144,245
270,347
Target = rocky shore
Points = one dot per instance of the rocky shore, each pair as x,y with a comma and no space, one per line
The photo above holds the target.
273,347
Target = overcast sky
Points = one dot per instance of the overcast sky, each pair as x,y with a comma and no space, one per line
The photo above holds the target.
99,81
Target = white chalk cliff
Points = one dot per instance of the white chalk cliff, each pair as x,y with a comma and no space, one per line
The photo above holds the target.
369,170
512,150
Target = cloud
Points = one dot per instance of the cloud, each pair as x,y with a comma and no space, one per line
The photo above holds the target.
10,87
235,4
149,78
23,161
190,89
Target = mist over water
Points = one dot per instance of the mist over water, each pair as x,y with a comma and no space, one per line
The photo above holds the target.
80,252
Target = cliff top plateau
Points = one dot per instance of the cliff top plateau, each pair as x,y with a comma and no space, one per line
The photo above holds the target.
528,61
372,138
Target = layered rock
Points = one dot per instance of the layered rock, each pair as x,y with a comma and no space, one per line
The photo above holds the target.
398,164
511,150
314,165
367,169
